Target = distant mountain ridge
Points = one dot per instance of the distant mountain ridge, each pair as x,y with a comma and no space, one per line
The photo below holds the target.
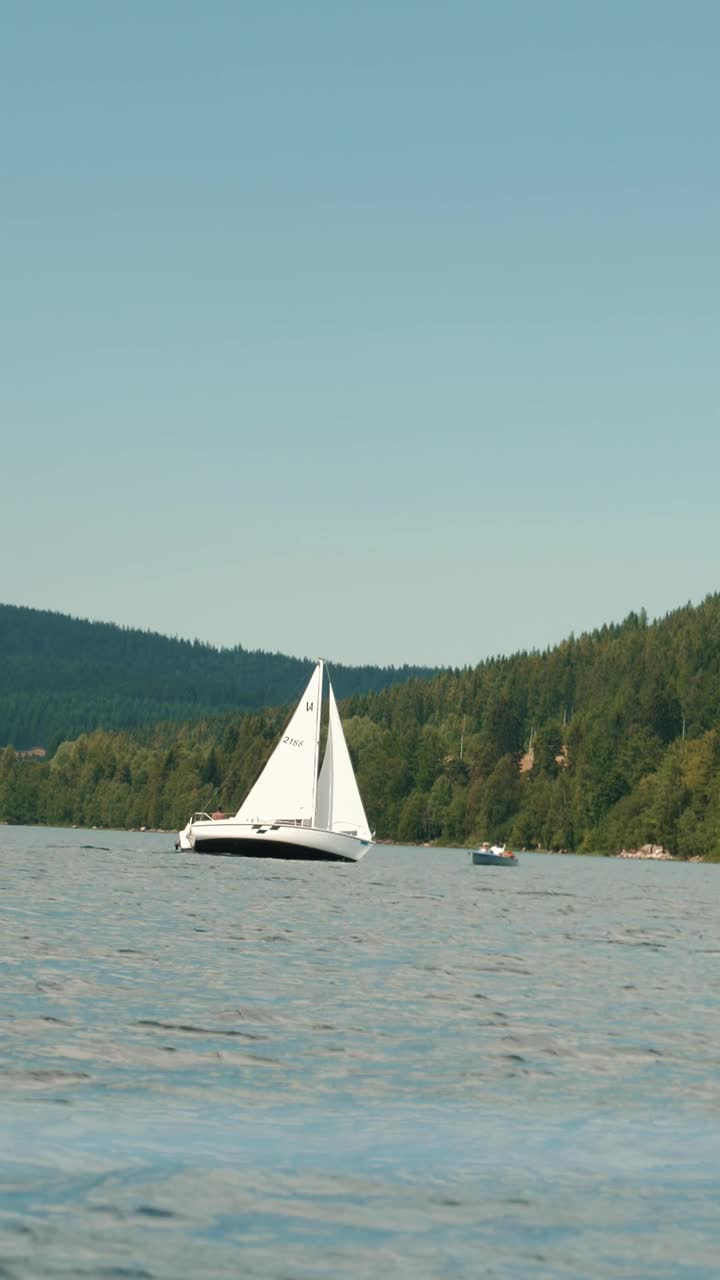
61,676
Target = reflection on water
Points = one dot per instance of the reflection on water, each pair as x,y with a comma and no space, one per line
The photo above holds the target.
411,1066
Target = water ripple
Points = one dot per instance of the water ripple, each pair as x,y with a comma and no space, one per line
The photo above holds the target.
297,1070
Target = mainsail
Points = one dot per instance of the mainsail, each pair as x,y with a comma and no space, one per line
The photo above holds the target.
339,806
285,790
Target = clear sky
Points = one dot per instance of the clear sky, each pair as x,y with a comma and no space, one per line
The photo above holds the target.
386,331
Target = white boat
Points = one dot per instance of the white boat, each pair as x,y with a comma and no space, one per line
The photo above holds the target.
291,811
493,855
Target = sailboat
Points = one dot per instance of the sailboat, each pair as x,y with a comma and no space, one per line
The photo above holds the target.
292,811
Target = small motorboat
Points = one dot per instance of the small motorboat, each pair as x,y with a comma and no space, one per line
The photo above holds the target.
495,855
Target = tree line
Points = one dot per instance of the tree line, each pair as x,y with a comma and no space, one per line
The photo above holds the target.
61,677
607,740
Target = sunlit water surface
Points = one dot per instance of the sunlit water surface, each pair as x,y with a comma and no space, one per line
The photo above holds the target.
216,1067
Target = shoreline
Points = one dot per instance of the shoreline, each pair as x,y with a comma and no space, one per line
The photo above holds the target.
649,853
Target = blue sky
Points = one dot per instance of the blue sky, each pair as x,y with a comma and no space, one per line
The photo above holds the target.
387,332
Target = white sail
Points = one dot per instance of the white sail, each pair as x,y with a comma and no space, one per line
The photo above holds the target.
285,790
339,806
323,798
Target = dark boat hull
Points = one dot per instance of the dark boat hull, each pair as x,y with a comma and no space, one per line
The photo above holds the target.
229,838
229,848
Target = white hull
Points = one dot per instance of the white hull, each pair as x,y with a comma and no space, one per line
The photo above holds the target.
272,840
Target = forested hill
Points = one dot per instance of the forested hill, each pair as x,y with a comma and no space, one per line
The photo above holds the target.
62,676
609,739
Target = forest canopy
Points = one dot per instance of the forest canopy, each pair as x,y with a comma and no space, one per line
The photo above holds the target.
63,676
607,740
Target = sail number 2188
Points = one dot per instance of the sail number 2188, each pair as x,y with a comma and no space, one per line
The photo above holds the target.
292,742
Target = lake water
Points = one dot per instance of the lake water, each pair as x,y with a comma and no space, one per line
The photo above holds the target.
411,1067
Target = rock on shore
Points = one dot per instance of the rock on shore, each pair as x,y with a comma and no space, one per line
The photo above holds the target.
647,851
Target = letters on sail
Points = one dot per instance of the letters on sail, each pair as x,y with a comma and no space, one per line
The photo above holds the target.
285,790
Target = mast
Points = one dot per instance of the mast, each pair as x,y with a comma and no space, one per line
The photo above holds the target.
318,717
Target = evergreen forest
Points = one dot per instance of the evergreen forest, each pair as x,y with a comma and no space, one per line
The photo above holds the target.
62,676
610,739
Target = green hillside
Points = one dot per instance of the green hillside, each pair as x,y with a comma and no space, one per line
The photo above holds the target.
63,676
624,725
